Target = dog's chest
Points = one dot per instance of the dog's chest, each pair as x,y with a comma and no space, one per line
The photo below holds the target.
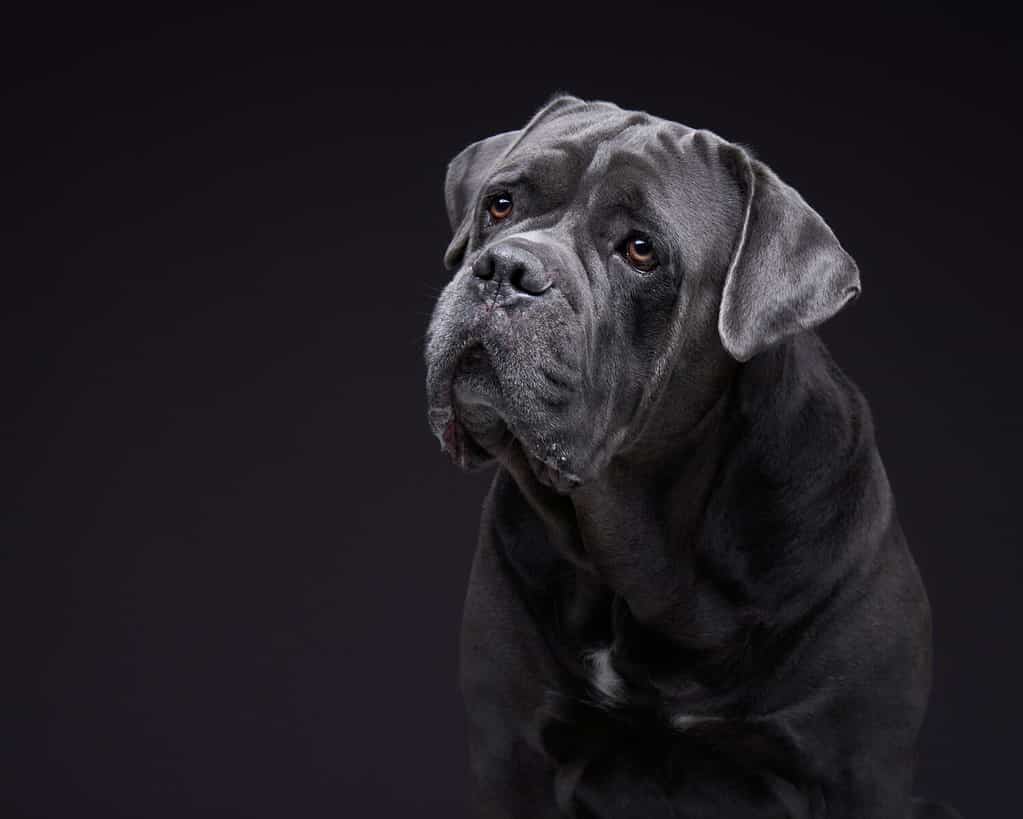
612,665
615,673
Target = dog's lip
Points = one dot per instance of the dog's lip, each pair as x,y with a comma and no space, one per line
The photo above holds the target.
552,475
464,450
455,440
461,445
550,469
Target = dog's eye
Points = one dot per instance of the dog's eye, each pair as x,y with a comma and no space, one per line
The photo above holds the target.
500,207
640,253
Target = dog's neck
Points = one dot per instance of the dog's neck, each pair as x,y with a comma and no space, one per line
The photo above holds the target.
637,519
644,526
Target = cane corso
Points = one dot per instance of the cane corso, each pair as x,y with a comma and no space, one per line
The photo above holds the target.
691,596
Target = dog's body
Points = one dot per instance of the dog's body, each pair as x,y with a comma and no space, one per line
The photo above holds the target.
691,595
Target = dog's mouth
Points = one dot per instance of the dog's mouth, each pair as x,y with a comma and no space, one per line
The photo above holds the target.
466,420
474,431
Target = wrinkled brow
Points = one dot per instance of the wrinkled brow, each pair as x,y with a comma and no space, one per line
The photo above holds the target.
554,171
627,182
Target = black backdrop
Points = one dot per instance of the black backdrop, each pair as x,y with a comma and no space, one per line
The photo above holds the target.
233,557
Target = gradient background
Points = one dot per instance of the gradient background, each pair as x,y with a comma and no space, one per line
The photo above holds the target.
233,557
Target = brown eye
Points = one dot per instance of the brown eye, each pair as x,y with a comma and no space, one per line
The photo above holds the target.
641,253
500,207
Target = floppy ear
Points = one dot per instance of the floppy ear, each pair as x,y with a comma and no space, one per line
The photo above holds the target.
788,272
466,173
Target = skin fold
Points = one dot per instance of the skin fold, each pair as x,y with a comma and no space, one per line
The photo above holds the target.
691,596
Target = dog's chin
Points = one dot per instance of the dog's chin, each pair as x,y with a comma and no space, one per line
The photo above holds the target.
477,424
475,438
475,432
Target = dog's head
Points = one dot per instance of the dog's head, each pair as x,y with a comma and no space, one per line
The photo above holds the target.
600,254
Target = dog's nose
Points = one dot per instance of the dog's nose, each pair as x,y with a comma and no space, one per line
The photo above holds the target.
515,265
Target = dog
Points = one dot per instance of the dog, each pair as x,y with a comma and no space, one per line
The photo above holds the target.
691,596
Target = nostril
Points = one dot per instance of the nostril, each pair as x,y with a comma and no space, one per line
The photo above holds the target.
530,280
483,267
520,270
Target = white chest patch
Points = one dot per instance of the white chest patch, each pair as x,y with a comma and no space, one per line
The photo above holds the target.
603,676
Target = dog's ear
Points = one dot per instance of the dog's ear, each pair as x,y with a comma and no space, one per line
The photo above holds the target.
788,271
466,173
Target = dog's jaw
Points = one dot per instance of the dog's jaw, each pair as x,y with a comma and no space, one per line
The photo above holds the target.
553,475
469,453
469,417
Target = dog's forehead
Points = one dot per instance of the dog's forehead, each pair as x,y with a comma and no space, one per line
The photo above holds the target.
594,139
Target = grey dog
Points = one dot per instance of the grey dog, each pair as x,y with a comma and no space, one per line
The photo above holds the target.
691,596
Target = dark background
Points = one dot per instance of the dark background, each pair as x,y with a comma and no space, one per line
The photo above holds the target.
233,557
